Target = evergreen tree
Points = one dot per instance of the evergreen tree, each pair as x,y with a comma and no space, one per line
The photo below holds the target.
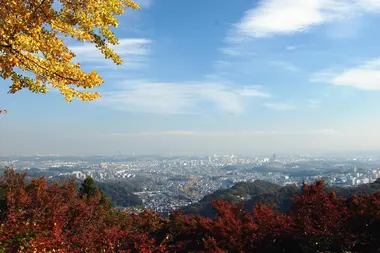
3,198
88,188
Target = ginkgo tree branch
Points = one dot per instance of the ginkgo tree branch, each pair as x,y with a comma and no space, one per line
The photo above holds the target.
29,28
47,69
36,9
6,46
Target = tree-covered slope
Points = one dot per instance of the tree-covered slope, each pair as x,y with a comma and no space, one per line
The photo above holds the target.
251,193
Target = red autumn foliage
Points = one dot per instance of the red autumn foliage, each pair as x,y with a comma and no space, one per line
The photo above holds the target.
364,221
41,217
320,220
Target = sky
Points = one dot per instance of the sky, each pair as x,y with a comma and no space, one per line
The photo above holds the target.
236,77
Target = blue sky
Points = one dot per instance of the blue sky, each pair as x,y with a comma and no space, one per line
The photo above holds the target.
210,76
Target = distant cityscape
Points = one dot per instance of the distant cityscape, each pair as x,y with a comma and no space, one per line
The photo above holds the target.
170,182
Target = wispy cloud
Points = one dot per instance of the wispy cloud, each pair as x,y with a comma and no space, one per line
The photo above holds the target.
296,47
270,18
364,77
254,91
222,134
280,106
231,51
313,103
279,17
133,51
285,65
291,48
180,98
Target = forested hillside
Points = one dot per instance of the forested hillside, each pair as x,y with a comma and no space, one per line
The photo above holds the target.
252,193
120,193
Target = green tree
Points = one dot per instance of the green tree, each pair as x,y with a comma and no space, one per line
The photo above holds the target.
3,198
88,189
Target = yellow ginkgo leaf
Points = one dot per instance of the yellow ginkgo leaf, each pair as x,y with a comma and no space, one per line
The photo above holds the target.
31,43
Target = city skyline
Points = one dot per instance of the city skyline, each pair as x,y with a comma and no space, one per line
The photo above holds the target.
165,183
200,77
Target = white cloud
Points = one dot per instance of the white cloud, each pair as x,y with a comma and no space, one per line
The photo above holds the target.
285,65
231,51
254,91
133,51
271,18
363,77
291,48
280,106
313,103
222,133
179,98
277,17
296,47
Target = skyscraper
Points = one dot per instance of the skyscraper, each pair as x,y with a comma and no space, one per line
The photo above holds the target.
273,158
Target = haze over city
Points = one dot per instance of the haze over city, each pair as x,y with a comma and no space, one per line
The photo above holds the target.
204,77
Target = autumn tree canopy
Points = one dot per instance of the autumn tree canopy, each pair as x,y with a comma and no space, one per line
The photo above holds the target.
33,50
41,217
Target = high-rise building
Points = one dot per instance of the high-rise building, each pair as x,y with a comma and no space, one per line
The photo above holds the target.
233,159
273,158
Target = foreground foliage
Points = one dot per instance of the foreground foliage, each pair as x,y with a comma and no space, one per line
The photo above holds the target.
31,41
41,217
